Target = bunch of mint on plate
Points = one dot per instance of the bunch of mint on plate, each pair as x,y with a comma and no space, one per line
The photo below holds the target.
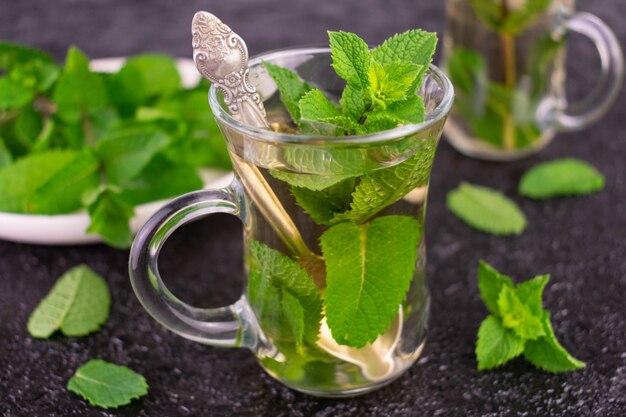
73,139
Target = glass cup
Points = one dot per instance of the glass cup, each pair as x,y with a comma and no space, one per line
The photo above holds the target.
506,59
284,317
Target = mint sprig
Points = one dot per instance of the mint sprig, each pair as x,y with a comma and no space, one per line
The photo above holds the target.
518,324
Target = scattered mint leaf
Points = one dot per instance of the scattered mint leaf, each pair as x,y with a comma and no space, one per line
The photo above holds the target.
351,58
547,353
78,304
106,385
78,90
490,283
561,177
21,180
496,344
13,95
290,86
63,192
518,324
517,316
486,210
109,216
381,188
369,269
283,295
416,46
125,153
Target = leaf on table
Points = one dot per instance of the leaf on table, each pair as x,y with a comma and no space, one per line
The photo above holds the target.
379,189
530,293
496,344
561,177
517,316
548,354
78,304
110,216
490,284
283,296
142,78
63,192
13,95
322,205
126,153
486,210
369,269
78,90
290,86
20,181
107,385
351,58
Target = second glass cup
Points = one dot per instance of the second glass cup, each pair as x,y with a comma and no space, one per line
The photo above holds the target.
506,59
335,302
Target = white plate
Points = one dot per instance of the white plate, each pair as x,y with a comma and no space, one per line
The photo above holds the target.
69,229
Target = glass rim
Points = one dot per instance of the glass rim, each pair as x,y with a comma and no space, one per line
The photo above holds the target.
254,132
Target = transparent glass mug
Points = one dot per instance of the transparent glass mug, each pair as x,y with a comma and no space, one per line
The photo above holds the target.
282,315
508,70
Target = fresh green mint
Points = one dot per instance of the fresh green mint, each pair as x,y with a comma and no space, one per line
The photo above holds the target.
561,177
77,305
518,324
486,210
107,385
369,268
67,133
512,20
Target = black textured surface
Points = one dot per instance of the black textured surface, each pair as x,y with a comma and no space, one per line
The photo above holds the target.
580,241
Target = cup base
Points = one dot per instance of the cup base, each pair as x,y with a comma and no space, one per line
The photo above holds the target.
476,148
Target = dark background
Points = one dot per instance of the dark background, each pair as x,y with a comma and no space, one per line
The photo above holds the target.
579,241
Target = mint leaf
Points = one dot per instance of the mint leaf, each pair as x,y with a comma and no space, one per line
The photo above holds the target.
490,283
63,192
416,46
283,296
384,187
141,79
21,180
110,216
410,110
353,103
530,293
548,354
310,181
13,55
320,114
13,95
106,385
486,210
78,90
369,269
322,205
496,344
6,158
290,86
351,58
78,304
561,177
512,21
125,153
159,180
517,316
393,81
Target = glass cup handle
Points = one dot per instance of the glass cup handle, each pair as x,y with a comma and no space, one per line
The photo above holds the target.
229,326
590,109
